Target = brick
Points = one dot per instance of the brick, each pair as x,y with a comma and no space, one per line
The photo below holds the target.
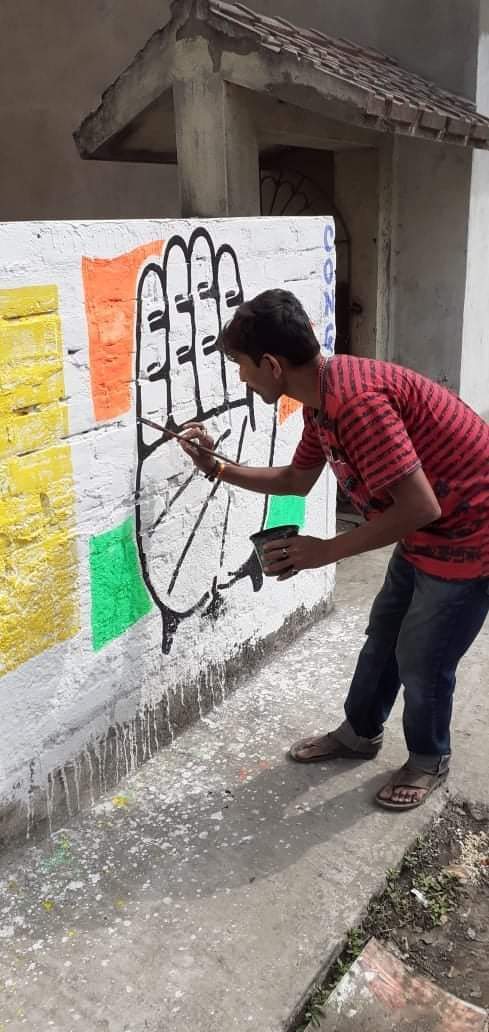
379,994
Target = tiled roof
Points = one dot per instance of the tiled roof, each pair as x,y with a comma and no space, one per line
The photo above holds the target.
391,94
328,76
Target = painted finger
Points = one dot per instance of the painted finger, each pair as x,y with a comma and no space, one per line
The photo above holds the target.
230,293
151,354
244,516
182,379
259,446
209,361
177,536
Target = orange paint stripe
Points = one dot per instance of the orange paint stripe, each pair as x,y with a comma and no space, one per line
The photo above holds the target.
110,305
286,408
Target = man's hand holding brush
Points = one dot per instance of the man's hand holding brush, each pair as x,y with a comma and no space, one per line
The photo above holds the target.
190,438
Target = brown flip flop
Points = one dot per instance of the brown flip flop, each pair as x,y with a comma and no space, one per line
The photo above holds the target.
331,749
411,780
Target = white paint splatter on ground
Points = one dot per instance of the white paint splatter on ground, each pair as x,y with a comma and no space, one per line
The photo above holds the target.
157,875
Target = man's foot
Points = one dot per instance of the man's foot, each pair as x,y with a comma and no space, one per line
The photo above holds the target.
340,744
409,788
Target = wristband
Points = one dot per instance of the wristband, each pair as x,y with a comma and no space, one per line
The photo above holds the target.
216,471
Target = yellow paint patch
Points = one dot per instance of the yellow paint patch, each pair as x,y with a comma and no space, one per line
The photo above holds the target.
38,562
120,801
48,904
19,302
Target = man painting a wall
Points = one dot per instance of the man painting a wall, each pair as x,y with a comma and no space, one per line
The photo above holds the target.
415,461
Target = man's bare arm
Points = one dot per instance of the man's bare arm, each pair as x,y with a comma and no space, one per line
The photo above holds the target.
414,505
278,480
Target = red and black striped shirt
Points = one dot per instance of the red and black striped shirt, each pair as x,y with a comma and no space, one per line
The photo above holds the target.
378,423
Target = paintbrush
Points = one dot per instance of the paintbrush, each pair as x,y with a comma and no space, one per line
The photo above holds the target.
180,437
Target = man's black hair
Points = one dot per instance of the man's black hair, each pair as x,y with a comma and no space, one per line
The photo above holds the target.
273,323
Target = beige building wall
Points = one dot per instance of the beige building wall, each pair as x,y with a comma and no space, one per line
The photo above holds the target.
435,38
431,198
57,58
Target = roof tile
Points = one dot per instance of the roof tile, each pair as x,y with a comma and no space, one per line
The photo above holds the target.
411,100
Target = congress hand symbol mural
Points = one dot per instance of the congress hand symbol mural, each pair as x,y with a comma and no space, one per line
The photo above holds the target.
192,534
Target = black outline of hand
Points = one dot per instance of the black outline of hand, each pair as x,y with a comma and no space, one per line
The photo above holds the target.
188,361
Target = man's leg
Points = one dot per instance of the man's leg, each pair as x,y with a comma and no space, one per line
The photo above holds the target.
376,680
442,622
375,683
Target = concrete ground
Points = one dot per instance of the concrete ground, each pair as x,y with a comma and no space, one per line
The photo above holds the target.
216,885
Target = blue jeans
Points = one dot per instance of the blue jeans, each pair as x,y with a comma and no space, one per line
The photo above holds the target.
419,628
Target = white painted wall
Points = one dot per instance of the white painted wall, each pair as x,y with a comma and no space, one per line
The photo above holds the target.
80,633
474,384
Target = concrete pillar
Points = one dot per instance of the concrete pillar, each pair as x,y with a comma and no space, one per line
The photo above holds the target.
386,244
217,149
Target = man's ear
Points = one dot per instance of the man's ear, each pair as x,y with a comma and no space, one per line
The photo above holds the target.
274,364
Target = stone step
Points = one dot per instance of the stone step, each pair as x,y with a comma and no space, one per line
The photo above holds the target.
379,994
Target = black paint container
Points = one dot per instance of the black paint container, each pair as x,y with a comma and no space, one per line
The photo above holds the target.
264,536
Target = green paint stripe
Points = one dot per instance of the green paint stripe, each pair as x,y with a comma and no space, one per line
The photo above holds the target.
118,593
286,509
